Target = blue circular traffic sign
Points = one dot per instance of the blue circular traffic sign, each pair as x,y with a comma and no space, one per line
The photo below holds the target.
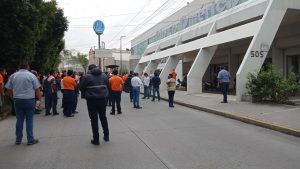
98,27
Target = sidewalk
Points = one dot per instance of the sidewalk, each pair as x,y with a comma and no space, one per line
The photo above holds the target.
282,118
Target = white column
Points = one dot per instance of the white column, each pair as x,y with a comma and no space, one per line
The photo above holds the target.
171,64
139,68
259,47
151,67
199,67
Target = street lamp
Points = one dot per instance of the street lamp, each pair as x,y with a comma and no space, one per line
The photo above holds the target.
121,54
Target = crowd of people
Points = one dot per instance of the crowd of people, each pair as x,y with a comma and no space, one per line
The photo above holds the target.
101,90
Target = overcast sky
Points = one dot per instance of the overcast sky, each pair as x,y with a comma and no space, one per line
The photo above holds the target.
120,17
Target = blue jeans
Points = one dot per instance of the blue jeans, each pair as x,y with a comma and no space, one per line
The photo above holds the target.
150,89
24,109
146,92
156,90
136,96
224,89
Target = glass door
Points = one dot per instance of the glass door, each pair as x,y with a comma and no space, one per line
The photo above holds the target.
293,65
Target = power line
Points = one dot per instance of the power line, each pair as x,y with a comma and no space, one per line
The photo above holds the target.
141,26
155,13
130,21
121,14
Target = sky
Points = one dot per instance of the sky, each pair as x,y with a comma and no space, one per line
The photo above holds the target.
121,18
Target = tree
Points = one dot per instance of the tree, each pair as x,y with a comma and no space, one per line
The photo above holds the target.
82,59
31,31
51,42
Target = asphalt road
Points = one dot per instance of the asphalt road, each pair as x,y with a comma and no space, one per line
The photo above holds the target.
155,137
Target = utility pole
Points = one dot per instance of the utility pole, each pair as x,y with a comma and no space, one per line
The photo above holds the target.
121,60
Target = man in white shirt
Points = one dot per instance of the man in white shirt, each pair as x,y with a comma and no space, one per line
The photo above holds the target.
146,81
136,84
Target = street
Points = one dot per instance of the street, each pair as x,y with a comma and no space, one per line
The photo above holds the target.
155,137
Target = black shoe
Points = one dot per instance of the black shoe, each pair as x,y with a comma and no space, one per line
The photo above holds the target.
95,142
171,106
54,114
112,113
106,138
143,98
119,112
18,142
47,114
76,112
70,115
138,107
224,102
153,100
33,142
37,112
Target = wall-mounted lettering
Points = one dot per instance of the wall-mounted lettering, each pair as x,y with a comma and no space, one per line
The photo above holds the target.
257,54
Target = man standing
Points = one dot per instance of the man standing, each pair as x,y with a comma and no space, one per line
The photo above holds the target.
171,87
50,87
69,85
94,87
115,84
146,81
150,84
156,82
136,85
23,86
128,85
223,79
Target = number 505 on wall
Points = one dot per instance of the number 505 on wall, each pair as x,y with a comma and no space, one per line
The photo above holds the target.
257,54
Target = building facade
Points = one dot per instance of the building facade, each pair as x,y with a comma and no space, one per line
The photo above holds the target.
241,35
115,59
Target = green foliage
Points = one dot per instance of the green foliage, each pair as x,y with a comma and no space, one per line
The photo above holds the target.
31,31
82,59
268,85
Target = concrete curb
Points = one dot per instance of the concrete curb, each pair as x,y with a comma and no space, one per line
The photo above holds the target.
244,119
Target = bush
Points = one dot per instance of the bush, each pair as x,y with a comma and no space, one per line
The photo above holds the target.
6,108
268,85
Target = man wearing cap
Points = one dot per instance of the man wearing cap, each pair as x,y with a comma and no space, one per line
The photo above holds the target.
223,82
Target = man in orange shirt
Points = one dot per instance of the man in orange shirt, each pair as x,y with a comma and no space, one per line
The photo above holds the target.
69,84
1,88
116,83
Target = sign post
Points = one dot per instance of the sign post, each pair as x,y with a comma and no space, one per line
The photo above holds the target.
99,29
